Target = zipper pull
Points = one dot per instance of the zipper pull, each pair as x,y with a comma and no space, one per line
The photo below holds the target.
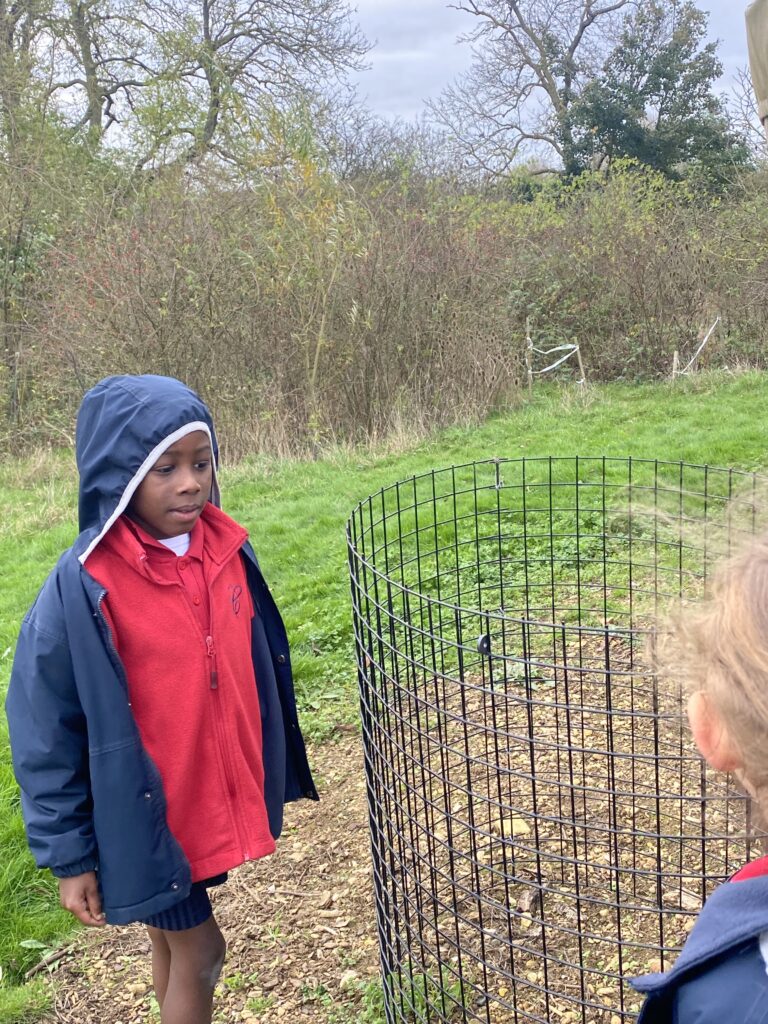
211,652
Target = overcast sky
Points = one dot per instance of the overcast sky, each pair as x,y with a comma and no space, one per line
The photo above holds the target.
416,53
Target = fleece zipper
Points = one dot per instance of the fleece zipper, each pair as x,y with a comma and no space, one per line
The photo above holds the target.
110,642
220,726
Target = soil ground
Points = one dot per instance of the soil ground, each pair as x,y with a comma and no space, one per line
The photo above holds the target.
300,924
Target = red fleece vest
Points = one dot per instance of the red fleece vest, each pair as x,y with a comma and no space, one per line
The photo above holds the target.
192,690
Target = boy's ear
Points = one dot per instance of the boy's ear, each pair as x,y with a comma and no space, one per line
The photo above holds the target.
711,736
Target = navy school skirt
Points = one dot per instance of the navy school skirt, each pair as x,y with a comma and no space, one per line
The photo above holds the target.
194,910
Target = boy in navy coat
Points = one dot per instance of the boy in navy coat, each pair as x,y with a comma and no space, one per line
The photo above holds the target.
151,708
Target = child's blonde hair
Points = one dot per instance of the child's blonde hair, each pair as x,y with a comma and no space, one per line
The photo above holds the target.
724,653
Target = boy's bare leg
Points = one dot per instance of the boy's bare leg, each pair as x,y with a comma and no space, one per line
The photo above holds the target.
196,959
161,962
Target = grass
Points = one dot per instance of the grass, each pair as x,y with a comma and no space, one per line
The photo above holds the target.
296,512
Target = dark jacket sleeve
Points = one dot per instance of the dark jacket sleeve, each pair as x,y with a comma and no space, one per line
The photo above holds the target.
657,1009
733,987
49,742
725,988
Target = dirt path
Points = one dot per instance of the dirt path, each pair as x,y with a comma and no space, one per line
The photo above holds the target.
300,924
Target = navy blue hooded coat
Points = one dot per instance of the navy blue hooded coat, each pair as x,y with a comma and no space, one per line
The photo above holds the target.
721,976
91,796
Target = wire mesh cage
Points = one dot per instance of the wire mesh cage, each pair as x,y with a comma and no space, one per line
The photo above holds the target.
542,827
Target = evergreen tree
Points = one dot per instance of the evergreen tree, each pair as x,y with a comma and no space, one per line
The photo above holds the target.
574,84
654,101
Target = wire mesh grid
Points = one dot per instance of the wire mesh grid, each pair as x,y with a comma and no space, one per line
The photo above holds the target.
542,827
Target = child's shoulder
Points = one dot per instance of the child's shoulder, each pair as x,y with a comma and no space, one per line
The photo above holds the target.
727,953
730,987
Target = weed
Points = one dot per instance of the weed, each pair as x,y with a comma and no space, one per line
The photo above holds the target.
372,1004
260,1004
239,980
420,995
315,994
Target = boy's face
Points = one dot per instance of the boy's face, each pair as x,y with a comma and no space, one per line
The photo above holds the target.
170,498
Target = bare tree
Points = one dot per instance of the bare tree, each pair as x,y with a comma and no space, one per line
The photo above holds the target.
240,53
742,109
361,146
174,78
22,23
532,59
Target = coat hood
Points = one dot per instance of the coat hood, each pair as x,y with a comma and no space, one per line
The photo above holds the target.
123,427
735,913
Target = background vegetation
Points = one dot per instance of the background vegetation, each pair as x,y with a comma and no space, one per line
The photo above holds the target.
186,188
310,311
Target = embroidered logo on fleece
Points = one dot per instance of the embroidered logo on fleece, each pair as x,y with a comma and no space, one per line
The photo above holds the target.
235,593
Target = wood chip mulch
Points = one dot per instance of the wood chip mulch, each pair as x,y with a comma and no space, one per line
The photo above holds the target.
300,924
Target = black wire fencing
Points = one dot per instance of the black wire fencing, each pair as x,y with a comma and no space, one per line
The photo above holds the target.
542,827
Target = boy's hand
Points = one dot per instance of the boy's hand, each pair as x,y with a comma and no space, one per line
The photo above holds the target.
80,896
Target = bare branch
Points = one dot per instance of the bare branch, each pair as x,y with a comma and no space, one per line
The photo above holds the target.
198,69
